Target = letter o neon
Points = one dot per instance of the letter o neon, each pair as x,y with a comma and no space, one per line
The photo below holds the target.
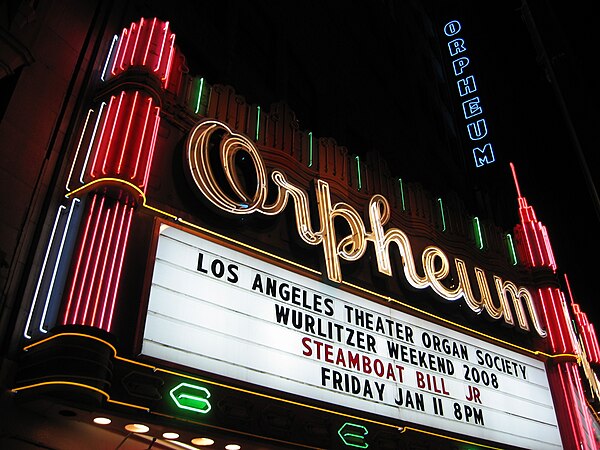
198,160
452,28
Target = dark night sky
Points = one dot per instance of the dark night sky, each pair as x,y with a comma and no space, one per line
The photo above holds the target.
530,128
522,111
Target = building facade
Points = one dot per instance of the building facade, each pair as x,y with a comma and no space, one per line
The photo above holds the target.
186,264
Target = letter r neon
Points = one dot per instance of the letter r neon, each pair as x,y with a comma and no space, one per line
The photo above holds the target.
456,46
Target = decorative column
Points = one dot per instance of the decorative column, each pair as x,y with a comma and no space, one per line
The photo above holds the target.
119,165
535,252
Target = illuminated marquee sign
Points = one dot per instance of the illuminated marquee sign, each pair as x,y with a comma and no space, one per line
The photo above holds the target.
222,311
436,264
471,105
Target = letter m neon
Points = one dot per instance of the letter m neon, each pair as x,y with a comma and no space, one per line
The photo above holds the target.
485,156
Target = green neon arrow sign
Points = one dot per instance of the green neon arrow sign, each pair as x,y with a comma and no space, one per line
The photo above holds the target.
353,435
191,397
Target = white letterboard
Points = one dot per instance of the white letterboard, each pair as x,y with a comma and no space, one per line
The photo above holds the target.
224,312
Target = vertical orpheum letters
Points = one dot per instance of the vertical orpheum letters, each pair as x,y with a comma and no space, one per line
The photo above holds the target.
466,86
450,283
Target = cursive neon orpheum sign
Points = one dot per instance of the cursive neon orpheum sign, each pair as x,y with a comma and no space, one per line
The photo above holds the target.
435,263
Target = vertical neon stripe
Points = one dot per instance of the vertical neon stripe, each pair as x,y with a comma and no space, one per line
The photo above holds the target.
569,329
540,253
162,47
547,317
114,252
594,339
359,177
567,402
78,148
89,245
310,149
401,185
583,427
548,247
78,264
579,392
569,289
477,230
151,149
199,100
137,38
61,208
133,27
100,139
149,42
107,250
559,326
514,174
97,252
122,248
112,132
142,139
256,134
55,271
511,250
112,45
442,215
91,144
126,139
169,63
531,258
121,40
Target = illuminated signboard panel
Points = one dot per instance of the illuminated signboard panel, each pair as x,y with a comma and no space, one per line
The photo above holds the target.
222,311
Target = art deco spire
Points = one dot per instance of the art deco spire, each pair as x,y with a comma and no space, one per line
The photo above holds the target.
532,237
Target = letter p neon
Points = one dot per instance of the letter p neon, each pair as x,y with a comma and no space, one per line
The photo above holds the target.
459,64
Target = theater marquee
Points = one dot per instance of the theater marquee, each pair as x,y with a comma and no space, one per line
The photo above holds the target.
225,312
211,140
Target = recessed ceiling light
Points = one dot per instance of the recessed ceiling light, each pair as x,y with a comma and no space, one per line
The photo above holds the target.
232,447
137,428
170,435
102,420
202,441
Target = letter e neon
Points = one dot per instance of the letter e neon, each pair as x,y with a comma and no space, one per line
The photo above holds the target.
471,107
